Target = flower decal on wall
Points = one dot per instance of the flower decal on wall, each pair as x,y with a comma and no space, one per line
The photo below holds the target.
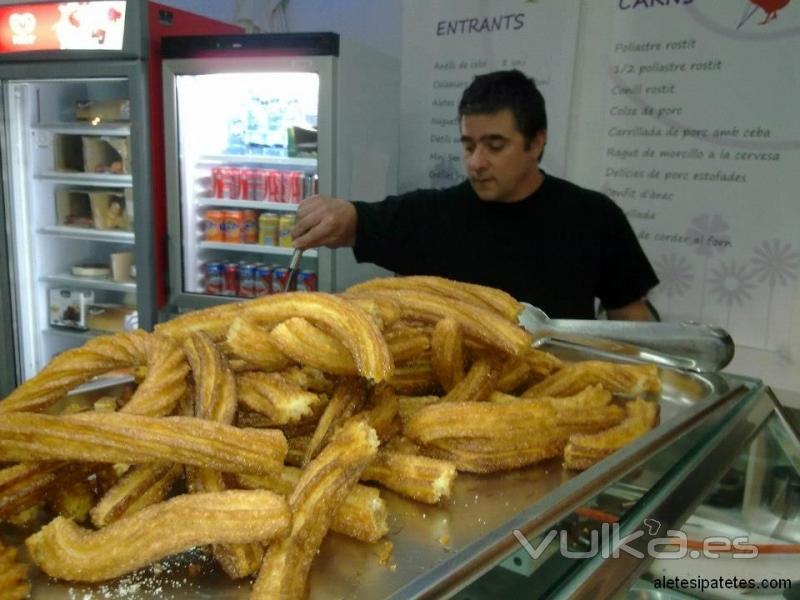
676,276
775,263
731,284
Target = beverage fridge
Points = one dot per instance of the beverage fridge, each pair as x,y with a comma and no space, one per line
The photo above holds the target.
253,124
82,250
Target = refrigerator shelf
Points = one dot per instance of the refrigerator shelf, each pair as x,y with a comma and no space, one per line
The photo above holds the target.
94,235
307,164
256,248
255,204
87,282
87,179
114,129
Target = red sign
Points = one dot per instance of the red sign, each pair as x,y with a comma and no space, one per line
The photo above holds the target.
96,25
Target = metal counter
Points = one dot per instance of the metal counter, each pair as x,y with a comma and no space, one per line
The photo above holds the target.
437,550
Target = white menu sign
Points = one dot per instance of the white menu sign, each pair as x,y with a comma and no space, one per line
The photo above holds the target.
701,147
446,43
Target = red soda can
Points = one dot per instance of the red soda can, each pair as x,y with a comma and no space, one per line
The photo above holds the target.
249,226
286,183
234,174
306,281
280,276
228,183
247,280
274,186
259,184
295,187
213,278
217,182
263,280
230,279
245,184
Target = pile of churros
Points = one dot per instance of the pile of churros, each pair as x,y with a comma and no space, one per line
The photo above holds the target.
255,428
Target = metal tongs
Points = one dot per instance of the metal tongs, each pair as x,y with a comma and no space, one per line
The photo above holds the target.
686,345
294,269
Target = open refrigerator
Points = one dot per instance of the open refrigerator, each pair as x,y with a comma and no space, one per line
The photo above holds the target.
253,124
82,210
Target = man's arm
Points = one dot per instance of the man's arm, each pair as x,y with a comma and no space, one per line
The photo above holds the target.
635,311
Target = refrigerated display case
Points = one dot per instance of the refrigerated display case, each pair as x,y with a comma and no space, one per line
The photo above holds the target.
254,124
724,461
84,212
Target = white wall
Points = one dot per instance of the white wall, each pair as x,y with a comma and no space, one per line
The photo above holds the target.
374,23
222,10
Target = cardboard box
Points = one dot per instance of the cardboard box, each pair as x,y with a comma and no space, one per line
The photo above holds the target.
67,153
74,208
68,308
111,317
106,110
103,154
112,210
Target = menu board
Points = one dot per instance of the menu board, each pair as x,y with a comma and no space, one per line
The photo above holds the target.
446,43
700,145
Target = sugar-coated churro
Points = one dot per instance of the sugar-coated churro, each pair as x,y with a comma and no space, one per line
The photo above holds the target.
584,450
324,484
418,477
66,551
447,353
309,345
141,486
615,377
121,438
157,395
275,396
247,341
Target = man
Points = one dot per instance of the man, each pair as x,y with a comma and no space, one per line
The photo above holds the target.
510,225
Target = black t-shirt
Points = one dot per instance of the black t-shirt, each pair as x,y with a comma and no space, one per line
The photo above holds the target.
558,249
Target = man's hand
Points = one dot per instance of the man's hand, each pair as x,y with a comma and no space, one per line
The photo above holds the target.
635,311
324,221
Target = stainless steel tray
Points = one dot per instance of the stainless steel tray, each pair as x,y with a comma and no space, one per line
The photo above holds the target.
436,548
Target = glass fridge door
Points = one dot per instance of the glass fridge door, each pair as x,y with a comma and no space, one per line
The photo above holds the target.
247,154
71,213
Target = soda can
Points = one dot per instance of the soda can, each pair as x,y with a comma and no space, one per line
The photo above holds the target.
285,226
217,182
286,185
280,276
213,278
230,279
306,281
233,228
214,226
259,183
274,186
295,194
230,183
247,280
268,229
310,185
263,280
249,227
245,187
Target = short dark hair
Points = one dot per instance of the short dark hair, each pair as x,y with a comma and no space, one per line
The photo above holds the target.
493,92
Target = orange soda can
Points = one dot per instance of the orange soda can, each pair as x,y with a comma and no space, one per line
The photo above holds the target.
214,226
249,227
234,225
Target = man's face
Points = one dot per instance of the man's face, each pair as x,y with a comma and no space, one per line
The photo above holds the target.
498,165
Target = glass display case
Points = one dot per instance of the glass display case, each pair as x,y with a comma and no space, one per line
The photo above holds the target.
709,494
